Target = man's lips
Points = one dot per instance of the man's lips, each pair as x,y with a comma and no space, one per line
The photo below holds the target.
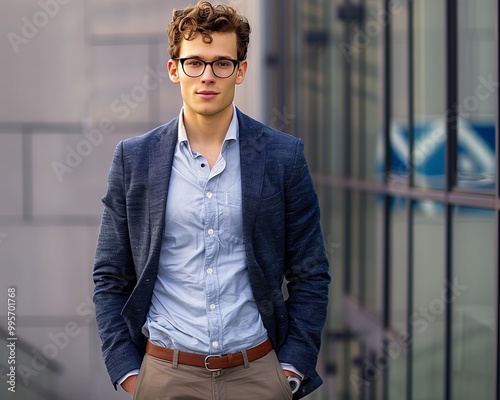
207,94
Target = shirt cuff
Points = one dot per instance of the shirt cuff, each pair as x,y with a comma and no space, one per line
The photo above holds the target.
124,377
290,367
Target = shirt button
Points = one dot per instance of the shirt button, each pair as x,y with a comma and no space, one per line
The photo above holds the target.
213,307
210,271
215,343
210,231
209,195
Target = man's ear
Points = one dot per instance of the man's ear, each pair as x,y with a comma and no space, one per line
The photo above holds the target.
173,70
241,72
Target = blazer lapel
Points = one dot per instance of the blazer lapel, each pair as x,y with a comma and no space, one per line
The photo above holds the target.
252,161
161,151
161,154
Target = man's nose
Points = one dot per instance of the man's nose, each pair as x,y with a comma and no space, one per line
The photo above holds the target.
208,74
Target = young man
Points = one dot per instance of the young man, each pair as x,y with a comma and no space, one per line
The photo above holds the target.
204,217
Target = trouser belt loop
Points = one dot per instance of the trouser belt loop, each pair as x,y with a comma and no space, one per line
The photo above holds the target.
246,363
175,360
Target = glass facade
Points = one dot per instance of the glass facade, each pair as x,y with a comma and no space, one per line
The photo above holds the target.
397,102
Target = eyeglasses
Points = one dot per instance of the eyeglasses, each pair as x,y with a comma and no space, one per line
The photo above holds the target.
194,67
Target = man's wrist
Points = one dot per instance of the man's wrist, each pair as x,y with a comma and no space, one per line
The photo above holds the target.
290,368
124,377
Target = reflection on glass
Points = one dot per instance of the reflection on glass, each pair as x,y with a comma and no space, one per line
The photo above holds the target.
429,128
399,264
428,316
473,297
477,62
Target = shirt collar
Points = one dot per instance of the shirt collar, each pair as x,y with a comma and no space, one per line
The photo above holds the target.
231,134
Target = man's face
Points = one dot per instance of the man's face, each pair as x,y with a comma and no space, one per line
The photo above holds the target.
208,95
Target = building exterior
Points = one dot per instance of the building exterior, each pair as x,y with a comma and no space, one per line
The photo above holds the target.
397,102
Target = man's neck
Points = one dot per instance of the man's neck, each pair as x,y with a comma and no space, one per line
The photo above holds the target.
205,130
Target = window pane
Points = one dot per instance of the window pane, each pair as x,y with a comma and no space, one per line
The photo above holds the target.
427,318
354,245
397,377
399,265
429,131
365,267
356,91
399,101
477,62
373,233
334,219
357,384
333,222
372,148
333,142
473,298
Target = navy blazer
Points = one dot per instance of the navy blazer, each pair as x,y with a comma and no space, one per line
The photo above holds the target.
281,231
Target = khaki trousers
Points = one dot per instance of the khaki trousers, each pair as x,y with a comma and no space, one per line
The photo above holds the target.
262,379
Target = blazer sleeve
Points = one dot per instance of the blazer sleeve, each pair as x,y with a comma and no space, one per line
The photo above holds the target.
306,270
114,277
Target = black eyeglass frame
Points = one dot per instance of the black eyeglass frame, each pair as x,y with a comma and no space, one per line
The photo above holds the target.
205,63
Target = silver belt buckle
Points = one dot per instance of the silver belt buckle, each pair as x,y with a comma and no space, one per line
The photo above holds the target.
206,363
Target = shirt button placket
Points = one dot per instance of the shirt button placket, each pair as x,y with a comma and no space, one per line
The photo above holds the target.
211,281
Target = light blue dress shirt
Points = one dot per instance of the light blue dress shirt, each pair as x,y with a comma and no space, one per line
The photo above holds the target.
202,300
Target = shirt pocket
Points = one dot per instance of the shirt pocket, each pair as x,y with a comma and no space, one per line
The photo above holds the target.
232,219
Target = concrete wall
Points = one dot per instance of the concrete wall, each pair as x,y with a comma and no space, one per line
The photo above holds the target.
67,67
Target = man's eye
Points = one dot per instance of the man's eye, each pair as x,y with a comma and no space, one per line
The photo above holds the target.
194,63
223,64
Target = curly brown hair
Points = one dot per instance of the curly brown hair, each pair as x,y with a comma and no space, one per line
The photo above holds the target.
205,18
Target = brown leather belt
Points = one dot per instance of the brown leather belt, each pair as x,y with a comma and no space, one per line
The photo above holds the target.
210,362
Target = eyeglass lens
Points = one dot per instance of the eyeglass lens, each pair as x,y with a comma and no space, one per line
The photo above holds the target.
194,67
